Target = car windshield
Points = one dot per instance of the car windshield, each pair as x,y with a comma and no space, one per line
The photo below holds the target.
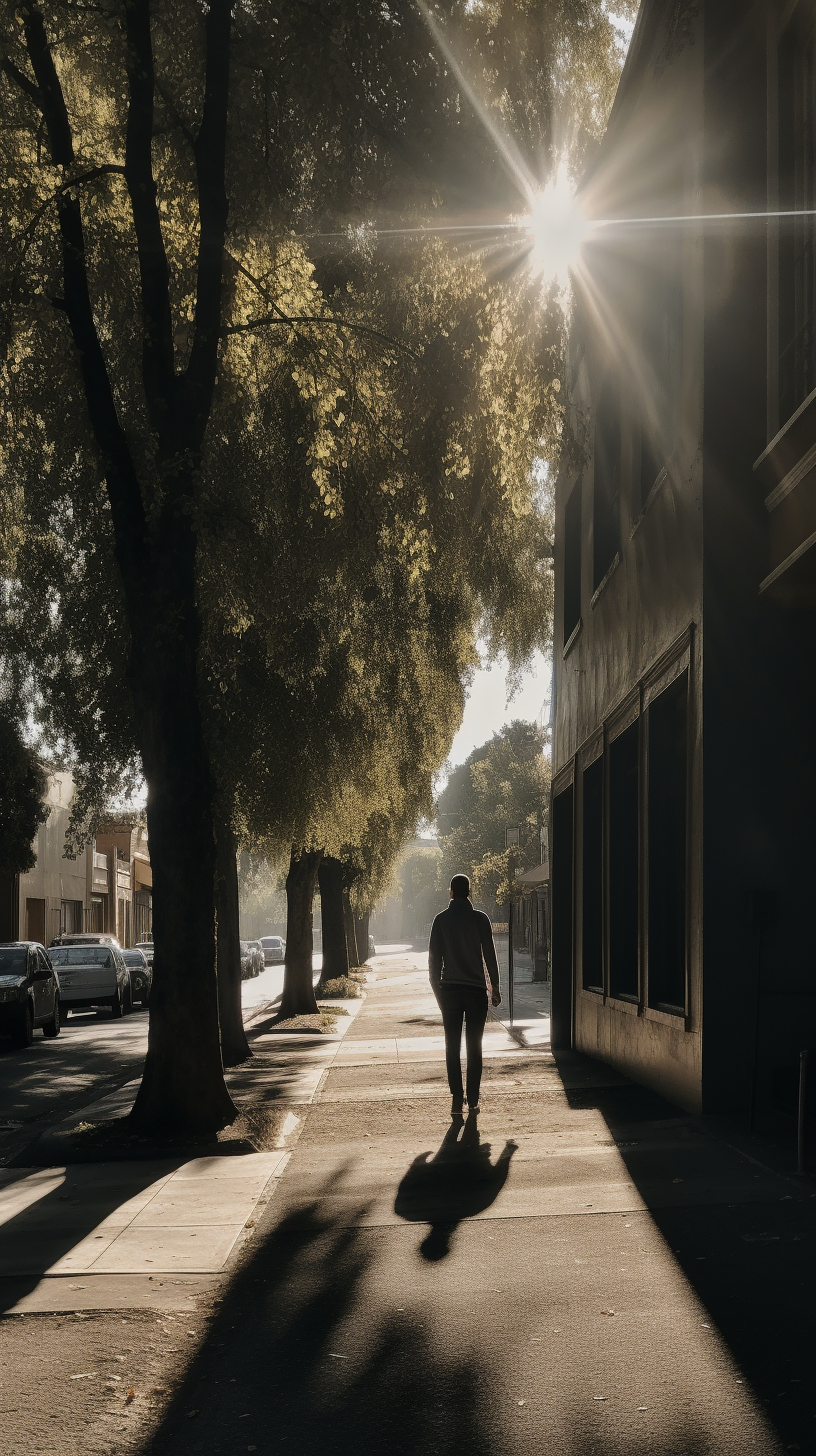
13,960
270,941
133,957
75,955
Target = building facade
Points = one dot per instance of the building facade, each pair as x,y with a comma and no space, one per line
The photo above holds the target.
683,776
107,888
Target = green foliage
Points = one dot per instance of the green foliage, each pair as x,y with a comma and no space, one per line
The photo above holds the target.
503,784
23,788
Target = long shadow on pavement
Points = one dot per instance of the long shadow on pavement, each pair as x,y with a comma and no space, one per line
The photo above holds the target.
299,1360
455,1183
749,1257
59,1209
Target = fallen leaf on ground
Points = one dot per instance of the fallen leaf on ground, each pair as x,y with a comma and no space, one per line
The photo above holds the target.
607,1311
677,1180
522,1402
87,1375
332,1356
131,1395
599,1397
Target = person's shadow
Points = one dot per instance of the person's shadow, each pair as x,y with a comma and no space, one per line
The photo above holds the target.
453,1184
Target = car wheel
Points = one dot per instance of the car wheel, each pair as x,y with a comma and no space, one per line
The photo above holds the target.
52,1027
24,1030
116,1004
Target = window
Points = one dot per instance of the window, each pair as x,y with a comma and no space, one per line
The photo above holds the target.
592,878
572,562
623,864
606,488
562,918
797,236
667,746
70,917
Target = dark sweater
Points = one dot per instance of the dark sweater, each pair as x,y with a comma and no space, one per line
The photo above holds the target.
460,936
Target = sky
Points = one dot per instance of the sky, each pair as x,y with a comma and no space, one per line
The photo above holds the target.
487,709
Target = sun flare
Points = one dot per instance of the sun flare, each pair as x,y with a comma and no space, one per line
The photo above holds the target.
557,227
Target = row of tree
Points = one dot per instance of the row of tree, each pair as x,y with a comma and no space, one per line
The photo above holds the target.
265,477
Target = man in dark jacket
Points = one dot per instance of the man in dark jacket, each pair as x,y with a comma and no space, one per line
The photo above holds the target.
461,956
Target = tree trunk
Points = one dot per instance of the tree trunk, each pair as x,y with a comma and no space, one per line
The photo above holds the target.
298,978
182,1088
351,932
234,1045
335,949
361,932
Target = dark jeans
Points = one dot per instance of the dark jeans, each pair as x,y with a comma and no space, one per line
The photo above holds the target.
468,1003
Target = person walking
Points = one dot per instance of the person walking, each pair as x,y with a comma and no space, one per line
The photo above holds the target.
461,956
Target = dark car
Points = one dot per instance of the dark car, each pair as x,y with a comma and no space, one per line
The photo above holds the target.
146,947
274,949
29,992
141,974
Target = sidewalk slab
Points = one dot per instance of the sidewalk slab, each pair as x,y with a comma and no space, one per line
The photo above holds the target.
158,1217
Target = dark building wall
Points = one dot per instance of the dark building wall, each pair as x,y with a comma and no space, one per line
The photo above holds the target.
646,616
759,784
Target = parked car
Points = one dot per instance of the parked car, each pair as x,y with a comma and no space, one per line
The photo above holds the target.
258,961
274,949
146,947
29,992
141,974
247,962
92,975
89,937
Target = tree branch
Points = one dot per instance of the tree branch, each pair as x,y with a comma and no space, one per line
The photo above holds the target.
158,372
124,491
209,150
20,79
51,100
315,318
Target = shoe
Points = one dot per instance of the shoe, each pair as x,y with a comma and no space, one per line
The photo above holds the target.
457,1108
475,1108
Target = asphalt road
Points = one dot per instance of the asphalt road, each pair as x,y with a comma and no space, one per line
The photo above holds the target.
93,1055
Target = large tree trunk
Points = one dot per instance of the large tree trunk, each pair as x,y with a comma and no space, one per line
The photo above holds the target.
298,979
361,933
234,1044
335,949
183,1086
351,932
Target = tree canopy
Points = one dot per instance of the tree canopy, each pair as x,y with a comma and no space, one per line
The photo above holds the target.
23,789
503,784
240,448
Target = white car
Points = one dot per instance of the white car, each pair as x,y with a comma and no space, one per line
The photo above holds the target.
92,975
274,949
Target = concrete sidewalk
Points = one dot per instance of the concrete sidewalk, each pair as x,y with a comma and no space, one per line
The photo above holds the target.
154,1217
583,1269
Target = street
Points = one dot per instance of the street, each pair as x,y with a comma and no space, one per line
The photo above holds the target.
93,1055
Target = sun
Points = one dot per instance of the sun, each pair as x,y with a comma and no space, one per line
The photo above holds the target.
558,228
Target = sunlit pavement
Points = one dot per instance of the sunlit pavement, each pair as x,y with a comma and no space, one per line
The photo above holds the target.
584,1270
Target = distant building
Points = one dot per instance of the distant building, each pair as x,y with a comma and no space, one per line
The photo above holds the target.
684,782
107,888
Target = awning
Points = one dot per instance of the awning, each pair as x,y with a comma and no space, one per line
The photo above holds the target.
538,875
